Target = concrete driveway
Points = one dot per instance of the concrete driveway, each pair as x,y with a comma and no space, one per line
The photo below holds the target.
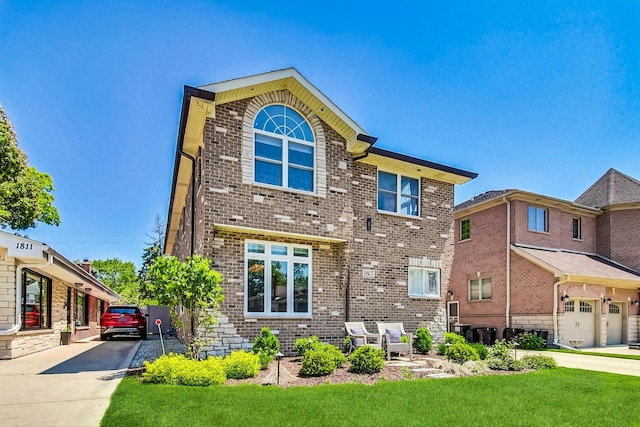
595,363
64,386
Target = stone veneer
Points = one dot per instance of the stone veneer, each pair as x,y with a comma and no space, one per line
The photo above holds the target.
347,196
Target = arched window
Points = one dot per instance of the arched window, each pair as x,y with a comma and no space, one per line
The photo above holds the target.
284,149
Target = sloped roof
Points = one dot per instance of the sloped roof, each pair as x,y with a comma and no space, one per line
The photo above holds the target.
487,195
580,267
613,188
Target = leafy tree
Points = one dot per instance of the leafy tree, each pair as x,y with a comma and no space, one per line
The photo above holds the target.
25,193
121,277
191,285
154,249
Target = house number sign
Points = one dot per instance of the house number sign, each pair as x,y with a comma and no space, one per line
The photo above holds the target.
369,274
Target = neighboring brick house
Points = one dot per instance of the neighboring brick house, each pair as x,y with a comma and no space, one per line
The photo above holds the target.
286,182
529,261
41,293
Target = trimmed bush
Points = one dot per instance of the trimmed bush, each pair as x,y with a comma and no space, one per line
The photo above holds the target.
304,344
338,358
266,342
481,349
422,343
176,369
537,362
264,359
461,352
501,357
240,365
453,338
529,341
317,363
346,344
366,360
442,349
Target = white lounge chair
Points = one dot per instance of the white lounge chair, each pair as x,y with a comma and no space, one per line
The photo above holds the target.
359,336
392,333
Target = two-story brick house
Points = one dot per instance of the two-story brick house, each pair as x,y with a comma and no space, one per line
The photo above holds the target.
308,222
529,261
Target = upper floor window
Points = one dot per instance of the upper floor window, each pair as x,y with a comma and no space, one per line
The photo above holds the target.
480,289
465,229
538,219
424,282
397,193
278,279
577,228
284,149
36,301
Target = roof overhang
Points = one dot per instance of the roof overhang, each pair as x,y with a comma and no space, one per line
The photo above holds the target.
533,198
276,233
415,167
580,267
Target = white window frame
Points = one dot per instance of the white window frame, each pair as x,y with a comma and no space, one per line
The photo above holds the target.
284,163
268,257
480,288
425,283
398,194
536,212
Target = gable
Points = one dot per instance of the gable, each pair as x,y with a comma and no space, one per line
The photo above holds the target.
613,188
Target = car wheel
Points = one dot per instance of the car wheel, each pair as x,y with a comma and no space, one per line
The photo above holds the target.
104,337
143,335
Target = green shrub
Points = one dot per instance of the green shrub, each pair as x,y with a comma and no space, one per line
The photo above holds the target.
346,344
404,339
481,349
422,343
304,344
538,362
266,343
453,338
366,360
176,369
338,358
265,359
317,363
240,365
501,357
461,352
442,349
529,341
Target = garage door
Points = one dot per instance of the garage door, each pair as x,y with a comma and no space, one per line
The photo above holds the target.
580,321
614,324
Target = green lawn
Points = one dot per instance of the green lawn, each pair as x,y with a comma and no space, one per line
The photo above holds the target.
560,397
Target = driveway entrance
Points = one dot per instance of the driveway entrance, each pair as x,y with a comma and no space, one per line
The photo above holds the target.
64,386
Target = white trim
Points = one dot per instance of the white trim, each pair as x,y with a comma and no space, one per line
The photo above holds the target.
276,233
425,296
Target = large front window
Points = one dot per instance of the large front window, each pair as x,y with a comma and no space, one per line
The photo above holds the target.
284,149
397,193
36,301
424,282
82,309
278,279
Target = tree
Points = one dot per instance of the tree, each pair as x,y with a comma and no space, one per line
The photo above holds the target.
153,250
25,193
192,285
121,277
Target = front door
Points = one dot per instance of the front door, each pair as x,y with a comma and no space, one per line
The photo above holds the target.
453,316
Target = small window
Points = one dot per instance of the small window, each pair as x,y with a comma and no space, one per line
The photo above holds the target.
577,228
424,282
538,219
614,309
480,289
397,193
585,307
569,307
465,229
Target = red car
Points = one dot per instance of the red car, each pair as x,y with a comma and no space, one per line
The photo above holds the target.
31,316
123,319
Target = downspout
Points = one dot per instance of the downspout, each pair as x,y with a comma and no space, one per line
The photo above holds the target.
555,310
508,273
18,322
193,198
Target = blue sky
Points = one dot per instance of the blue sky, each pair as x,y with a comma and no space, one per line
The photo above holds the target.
540,96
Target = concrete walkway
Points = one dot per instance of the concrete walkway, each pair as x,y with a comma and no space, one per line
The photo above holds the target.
64,386
595,363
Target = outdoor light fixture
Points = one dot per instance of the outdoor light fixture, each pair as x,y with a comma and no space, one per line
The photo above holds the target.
635,302
88,289
279,356
564,297
450,293
368,224
79,285
606,301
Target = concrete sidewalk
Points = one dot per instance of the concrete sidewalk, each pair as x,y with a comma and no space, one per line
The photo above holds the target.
595,363
64,386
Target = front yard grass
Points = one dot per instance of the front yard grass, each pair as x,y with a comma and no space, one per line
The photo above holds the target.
558,397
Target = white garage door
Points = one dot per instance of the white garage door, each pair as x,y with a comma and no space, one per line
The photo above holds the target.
580,322
614,324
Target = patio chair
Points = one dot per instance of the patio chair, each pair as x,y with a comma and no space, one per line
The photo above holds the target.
391,333
359,336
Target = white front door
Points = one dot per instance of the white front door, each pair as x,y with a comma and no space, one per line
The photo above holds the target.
580,322
614,324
